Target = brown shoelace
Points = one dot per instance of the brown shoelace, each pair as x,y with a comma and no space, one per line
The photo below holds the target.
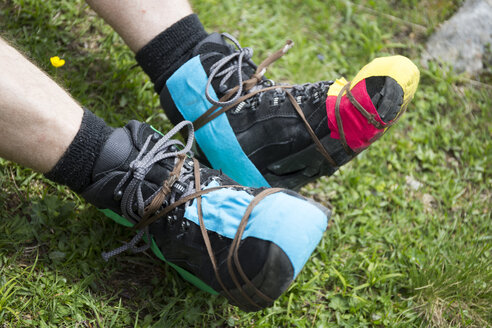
152,214
256,78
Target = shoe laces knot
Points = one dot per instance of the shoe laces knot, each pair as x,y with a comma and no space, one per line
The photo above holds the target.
233,64
226,67
244,90
138,169
129,189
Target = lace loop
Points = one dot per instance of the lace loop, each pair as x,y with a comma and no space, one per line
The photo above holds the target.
253,85
133,204
129,246
218,70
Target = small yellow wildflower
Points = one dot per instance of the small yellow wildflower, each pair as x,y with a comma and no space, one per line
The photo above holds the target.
57,62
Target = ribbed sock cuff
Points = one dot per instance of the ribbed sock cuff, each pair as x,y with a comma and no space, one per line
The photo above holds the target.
170,49
74,168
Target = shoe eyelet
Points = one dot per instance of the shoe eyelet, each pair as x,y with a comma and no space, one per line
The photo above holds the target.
155,137
315,96
275,101
179,187
185,225
254,105
118,195
299,99
171,219
223,88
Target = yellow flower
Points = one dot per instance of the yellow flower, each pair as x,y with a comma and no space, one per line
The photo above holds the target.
57,62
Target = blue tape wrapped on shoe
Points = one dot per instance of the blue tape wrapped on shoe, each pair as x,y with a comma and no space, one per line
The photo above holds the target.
293,224
187,88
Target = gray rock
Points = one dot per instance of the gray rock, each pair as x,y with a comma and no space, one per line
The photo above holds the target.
464,41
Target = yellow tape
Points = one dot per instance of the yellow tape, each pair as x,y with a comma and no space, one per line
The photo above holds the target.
400,68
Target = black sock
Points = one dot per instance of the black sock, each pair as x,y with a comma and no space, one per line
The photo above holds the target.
74,168
164,54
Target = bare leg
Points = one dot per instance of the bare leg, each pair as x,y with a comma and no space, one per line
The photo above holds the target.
38,119
139,21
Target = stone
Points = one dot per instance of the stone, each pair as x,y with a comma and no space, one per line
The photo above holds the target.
465,40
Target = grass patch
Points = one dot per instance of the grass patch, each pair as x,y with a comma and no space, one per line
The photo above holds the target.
410,241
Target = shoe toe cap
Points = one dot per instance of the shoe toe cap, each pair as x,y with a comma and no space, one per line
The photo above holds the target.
400,68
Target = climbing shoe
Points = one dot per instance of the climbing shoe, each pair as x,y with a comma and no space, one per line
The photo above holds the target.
261,133
245,243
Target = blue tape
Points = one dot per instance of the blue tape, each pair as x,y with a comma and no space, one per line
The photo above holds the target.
216,138
295,225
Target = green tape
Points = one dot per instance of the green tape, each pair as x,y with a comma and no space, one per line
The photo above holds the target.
182,272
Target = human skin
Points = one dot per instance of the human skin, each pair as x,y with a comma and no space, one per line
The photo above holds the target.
38,118
139,21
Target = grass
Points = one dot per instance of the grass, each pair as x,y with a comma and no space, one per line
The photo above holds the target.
410,240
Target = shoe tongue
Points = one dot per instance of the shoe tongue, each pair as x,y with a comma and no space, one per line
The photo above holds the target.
123,146
212,49
213,43
115,152
386,95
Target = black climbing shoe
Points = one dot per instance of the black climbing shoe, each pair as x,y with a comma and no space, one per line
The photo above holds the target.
263,134
245,243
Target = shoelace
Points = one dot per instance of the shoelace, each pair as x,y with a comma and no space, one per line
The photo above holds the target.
222,68
233,96
151,210
139,168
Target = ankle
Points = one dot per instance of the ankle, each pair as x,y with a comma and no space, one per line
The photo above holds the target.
74,168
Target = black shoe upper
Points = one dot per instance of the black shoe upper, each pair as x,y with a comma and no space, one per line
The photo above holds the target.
268,128
179,239
266,125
